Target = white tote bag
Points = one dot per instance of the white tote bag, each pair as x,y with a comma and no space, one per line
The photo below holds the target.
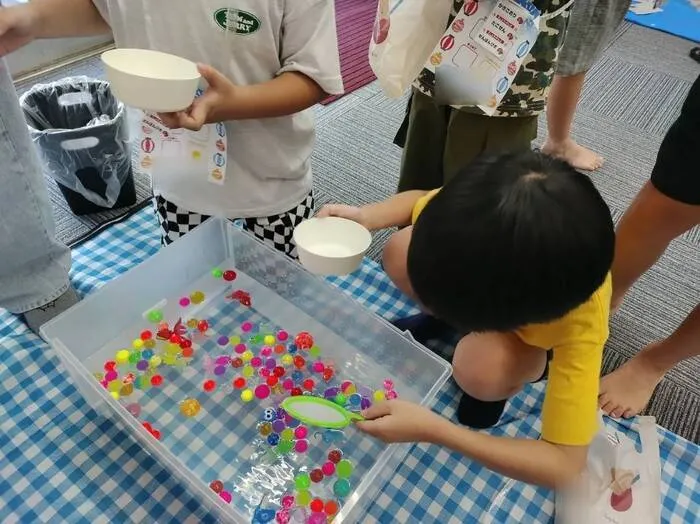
403,40
621,486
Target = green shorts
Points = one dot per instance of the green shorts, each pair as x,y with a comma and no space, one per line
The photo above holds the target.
441,140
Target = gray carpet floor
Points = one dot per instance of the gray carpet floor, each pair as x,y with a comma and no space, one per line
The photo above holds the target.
631,97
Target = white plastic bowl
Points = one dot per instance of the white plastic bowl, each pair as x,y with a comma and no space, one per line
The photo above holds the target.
331,245
151,80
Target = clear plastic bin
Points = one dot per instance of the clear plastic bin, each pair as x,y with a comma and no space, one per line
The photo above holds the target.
222,441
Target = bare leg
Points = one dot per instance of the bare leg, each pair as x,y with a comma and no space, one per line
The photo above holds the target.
561,107
626,391
648,226
496,366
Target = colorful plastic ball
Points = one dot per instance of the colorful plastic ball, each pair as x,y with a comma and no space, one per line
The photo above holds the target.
155,361
202,326
308,384
285,446
150,343
291,349
344,469
146,334
256,362
187,352
248,371
278,425
331,393
137,343
282,517
301,446
169,359
318,367
273,439
229,275
134,357
316,475
297,376
247,395
264,372
303,496
115,395
271,381
197,297
287,360
234,339
156,380
217,273
378,396
247,356
209,385
185,343
287,434
328,468
331,507
269,414
247,327
219,370
237,362
316,505
388,384
287,501
315,351
301,432
270,363
172,349
304,340
279,371
144,382
122,356
111,375
222,340
184,302
365,403
281,413
217,486
189,407
328,374
266,352
341,488
348,388
239,383
114,386
391,395
335,456
269,340
340,399
110,365
265,429
154,316
302,482
355,399
192,323
296,392
282,335
226,496
262,391
279,349
142,365
240,348
318,518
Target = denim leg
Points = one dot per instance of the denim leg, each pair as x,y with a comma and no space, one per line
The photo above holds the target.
33,264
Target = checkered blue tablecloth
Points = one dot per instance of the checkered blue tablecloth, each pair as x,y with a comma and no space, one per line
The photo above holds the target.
62,462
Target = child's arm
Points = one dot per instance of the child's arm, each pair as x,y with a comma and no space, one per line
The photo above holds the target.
534,461
395,211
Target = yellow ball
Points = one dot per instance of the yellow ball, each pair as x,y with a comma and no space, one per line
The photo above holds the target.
248,371
115,395
189,407
192,323
122,356
247,356
269,340
137,343
303,498
155,361
234,340
126,390
287,434
287,360
379,396
247,395
172,349
114,386
149,344
169,359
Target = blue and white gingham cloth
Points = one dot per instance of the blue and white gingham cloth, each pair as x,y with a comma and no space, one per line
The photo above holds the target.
60,461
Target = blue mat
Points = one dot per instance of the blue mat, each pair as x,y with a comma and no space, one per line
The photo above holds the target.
677,18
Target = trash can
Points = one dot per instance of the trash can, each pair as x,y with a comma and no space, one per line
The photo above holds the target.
81,133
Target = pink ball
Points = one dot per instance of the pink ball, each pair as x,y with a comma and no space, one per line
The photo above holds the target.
110,376
288,384
282,336
287,501
300,446
282,517
256,362
266,351
345,385
264,372
247,327
262,391
226,496
388,384
391,395
301,432
184,301
240,349
328,469
318,367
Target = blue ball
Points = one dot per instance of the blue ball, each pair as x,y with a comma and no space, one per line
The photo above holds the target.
146,354
273,439
297,376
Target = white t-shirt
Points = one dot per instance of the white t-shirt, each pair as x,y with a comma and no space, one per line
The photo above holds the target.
268,167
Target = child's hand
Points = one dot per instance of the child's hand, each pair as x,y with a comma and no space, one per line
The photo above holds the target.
401,421
356,214
204,110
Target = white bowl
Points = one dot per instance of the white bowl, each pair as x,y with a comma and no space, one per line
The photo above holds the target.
151,80
331,245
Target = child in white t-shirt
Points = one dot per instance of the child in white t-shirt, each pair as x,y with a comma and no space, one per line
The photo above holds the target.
268,62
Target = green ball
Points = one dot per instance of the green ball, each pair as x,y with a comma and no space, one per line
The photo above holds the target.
344,469
285,446
315,351
341,488
302,481
340,399
134,357
217,273
155,316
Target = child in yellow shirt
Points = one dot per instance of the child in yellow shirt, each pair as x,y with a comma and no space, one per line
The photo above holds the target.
516,250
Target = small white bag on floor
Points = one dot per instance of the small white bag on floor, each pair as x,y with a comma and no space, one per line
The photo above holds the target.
621,486
402,40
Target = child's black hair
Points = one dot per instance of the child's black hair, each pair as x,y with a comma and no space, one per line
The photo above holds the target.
515,239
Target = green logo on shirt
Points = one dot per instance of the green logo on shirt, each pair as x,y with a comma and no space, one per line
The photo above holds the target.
236,21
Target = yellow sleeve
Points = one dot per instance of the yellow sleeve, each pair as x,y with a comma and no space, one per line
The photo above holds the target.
569,414
421,203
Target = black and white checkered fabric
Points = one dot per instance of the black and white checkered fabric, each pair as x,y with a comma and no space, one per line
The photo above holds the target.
275,230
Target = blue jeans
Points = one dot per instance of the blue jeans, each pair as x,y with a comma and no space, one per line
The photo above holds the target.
33,264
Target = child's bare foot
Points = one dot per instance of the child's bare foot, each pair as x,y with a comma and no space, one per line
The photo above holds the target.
626,391
575,154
